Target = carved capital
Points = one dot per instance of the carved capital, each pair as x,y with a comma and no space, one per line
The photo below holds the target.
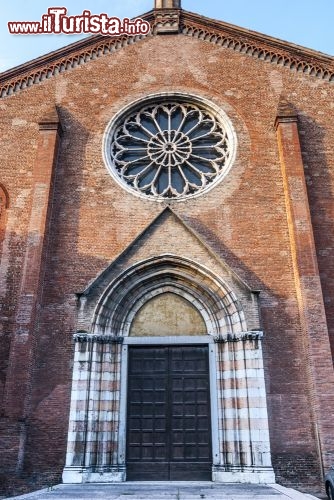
98,339
239,337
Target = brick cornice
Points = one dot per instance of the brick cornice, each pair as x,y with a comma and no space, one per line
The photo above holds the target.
59,62
271,50
268,49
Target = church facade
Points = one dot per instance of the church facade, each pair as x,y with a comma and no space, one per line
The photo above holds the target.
167,249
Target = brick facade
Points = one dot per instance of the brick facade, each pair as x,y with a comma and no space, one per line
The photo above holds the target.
64,222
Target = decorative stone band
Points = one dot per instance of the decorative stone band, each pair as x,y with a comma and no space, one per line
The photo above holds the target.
239,337
112,339
98,339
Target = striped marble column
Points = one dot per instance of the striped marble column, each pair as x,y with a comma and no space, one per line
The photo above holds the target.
92,449
242,410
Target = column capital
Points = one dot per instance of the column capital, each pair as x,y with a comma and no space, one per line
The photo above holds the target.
286,113
51,121
239,337
92,338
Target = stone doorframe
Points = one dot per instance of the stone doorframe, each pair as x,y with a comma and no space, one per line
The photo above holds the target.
97,427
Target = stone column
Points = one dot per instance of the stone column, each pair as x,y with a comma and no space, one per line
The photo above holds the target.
242,410
307,282
92,447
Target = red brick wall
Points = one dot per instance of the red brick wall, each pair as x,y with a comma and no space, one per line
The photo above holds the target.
243,218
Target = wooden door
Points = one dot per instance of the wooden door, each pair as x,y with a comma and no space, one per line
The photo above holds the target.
168,414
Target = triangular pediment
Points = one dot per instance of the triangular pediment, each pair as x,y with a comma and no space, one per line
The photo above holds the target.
167,235
173,22
168,255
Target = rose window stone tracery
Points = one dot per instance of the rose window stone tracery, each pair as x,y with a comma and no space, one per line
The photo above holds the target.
169,149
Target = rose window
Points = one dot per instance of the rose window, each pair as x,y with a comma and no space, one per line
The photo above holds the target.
169,149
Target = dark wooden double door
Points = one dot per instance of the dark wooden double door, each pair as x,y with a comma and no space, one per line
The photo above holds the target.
168,414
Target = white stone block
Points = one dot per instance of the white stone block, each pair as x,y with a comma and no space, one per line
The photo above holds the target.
72,475
265,477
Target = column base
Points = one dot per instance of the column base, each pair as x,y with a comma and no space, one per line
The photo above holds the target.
243,475
78,475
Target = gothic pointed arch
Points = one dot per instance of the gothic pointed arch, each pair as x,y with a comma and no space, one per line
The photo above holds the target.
101,373
183,264
219,307
181,268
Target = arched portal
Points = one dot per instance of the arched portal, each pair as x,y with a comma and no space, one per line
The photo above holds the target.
208,337
212,297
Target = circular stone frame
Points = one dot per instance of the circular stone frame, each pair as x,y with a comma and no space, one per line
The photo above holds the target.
156,145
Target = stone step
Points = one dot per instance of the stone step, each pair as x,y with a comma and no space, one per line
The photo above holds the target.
166,491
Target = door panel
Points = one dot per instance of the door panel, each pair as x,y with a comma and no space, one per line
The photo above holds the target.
168,428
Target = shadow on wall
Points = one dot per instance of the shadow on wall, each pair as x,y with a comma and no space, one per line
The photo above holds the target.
41,438
67,271
284,358
319,183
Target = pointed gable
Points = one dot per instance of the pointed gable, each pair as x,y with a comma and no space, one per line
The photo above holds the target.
168,246
173,21
167,234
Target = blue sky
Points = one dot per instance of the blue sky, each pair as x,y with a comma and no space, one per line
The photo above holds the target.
303,22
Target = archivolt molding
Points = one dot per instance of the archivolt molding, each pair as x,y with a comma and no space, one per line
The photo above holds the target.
215,301
279,53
